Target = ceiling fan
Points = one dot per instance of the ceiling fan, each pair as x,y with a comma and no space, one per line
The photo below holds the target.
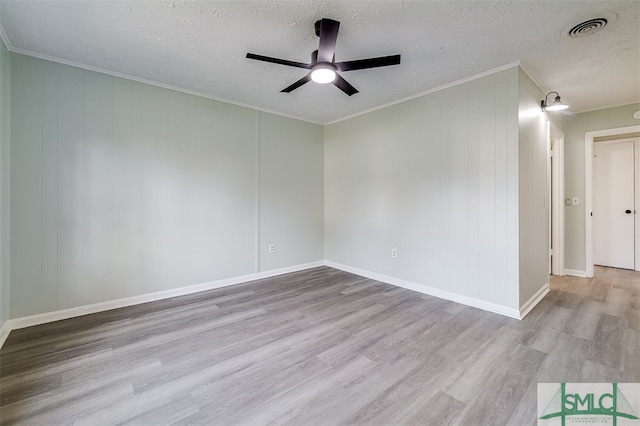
323,68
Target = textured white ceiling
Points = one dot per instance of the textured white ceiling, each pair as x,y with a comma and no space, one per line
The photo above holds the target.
201,46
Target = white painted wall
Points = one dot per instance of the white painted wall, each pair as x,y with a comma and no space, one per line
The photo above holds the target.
291,192
533,202
575,129
437,179
121,189
5,84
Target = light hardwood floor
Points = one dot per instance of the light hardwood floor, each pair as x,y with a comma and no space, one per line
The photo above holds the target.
320,347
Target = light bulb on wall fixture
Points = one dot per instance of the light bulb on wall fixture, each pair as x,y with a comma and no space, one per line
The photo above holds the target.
323,73
557,104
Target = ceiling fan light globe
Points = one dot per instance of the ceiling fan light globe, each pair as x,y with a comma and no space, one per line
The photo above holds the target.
323,75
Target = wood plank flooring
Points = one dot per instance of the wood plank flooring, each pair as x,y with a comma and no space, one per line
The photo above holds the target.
320,347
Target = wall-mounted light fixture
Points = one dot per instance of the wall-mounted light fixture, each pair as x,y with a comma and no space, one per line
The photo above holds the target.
557,104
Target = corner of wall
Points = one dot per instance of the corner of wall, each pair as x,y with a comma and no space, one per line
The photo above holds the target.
533,227
4,333
5,96
533,301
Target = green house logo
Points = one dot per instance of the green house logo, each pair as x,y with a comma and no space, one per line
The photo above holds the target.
588,403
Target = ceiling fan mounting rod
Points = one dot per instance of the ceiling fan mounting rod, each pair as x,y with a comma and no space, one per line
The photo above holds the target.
325,65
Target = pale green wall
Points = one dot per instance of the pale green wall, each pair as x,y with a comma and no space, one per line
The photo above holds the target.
291,191
575,128
533,184
5,84
122,189
436,178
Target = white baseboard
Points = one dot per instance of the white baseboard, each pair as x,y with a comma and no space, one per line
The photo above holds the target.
17,323
4,333
533,301
431,291
576,273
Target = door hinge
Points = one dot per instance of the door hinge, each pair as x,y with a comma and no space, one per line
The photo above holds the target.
551,252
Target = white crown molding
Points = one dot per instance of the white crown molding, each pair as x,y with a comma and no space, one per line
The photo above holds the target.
3,35
149,82
426,92
608,107
525,69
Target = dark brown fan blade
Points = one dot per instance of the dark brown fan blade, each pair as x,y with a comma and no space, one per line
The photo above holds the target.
297,84
361,64
344,85
328,38
278,61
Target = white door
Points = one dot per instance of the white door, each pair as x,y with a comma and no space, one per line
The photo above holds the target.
613,204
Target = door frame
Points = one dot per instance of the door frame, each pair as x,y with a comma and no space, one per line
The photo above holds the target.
588,141
556,186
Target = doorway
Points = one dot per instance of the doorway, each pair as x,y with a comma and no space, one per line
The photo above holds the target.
629,132
614,203
555,143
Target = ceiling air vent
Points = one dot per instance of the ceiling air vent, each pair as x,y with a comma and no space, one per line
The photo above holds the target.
591,26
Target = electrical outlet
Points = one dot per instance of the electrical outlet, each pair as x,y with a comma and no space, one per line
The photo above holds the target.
394,253
272,248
